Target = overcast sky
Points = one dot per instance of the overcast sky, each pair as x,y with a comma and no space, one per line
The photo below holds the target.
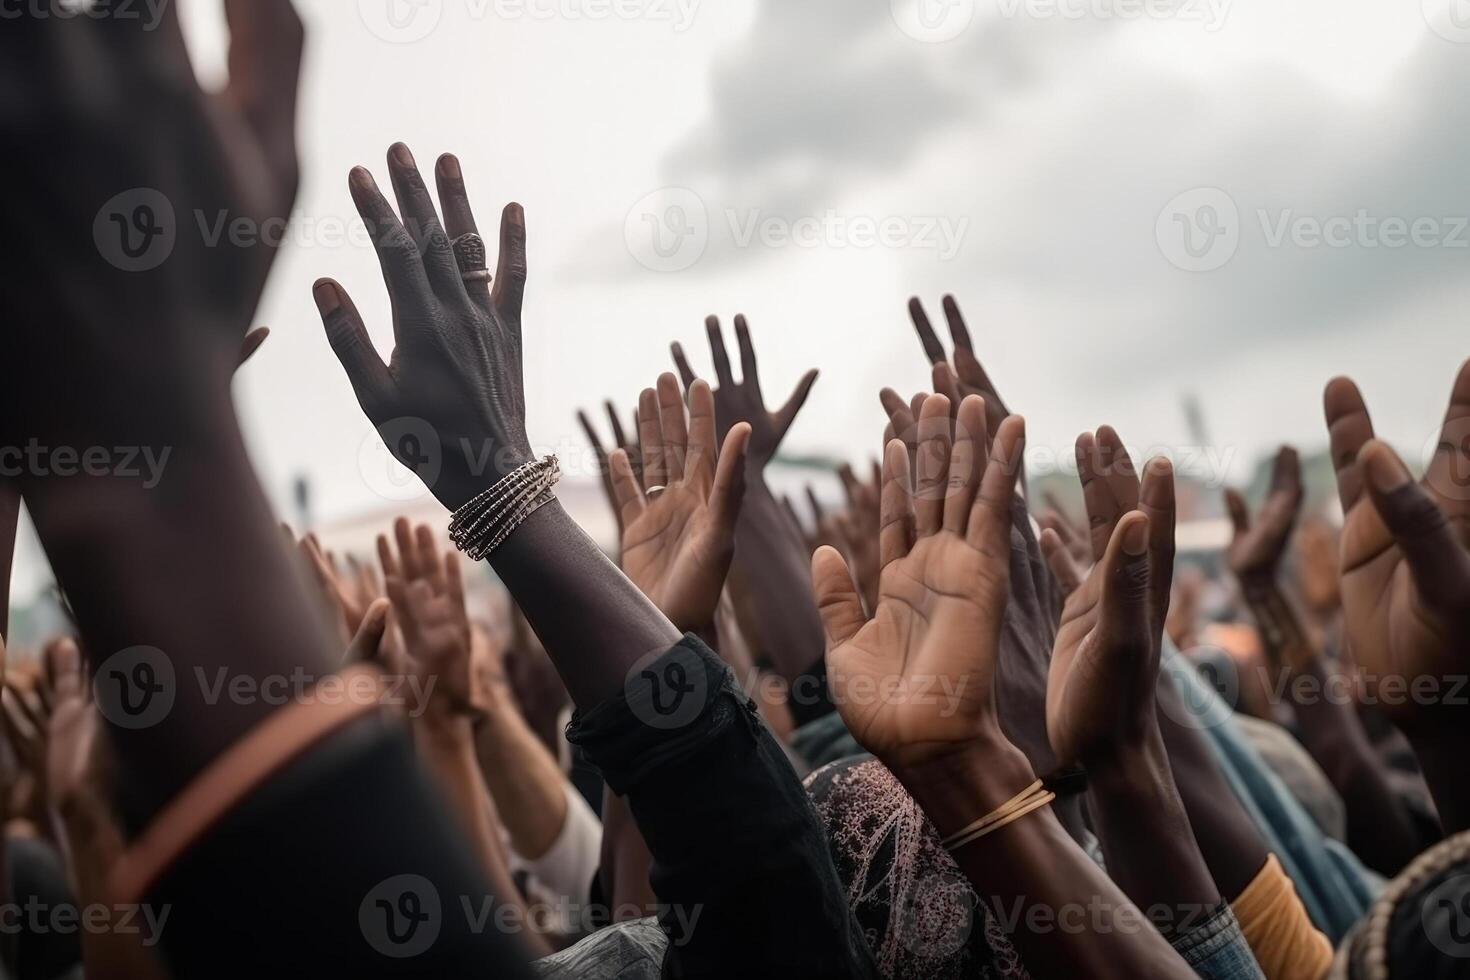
1131,199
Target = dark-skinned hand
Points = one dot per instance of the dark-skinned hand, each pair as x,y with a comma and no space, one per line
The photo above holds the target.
620,441
143,311
942,597
678,542
1405,568
1259,542
450,402
742,401
1105,664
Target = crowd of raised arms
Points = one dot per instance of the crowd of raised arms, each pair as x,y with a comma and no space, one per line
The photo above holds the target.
947,731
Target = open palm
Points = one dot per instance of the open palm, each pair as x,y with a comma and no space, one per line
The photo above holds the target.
916,681
679,534
1405,568
1105,660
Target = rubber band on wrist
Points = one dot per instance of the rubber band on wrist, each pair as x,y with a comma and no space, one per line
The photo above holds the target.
1030,799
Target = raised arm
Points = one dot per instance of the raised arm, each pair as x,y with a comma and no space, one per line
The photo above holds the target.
1406,583
944,586
768,581
1379,827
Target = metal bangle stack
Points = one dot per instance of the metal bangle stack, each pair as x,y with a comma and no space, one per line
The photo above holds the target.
480,526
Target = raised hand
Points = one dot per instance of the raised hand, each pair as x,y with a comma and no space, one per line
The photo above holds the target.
428,597
1105,663
967,376
679,531
72,731
945,549
620,441
742,401
1405,569
450,403
1256,549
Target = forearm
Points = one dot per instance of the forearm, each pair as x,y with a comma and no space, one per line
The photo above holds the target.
1071,919
1149,845
1380,828
94,845
723,816
1233,848
184,567
526,783
772,583
595,624
1442,757
446,744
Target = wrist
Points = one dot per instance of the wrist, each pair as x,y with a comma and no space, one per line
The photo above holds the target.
955,788
1130,766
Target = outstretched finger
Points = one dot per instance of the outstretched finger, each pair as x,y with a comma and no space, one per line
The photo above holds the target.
786,414
627,494
671,422
398,252
896,516
717,351
1448,472
1349,428
651,439
349,340
699,464
933,349
686,373
931,470
459,218
264,63
509,286
990,520
421,219
966,464
749,375
729,484
1437,560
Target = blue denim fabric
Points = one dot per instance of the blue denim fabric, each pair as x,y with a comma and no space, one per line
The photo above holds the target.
1216,949
1333,885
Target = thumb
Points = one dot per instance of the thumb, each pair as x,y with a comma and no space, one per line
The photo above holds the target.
728,490
1123,618
1419,527
364,646
837,597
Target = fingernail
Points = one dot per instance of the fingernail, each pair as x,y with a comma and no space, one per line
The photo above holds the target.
325,294
401,156
1385,471
361,179
449,166
1135,538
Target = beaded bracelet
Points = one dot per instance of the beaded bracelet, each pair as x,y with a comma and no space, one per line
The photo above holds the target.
480,526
